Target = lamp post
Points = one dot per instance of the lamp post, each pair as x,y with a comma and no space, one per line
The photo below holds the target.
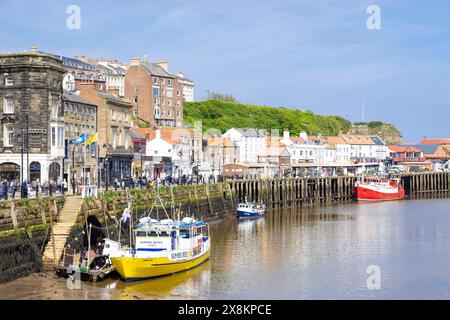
21,140
107,146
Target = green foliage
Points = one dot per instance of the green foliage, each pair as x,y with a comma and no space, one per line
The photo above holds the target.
225,115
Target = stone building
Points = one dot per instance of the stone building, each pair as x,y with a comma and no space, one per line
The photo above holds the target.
31,116
80,116
114,132
155,93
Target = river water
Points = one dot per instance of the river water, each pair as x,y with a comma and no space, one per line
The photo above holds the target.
302,253
322,253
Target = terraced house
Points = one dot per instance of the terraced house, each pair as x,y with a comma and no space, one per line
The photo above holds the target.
156,94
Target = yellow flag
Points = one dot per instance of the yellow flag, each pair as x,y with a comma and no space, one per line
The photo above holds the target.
92,139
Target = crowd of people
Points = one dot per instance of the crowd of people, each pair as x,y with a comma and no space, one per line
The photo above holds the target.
12,188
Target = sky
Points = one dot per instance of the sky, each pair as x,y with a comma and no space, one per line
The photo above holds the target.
306,54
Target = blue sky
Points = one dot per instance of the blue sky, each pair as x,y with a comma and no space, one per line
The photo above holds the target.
308,54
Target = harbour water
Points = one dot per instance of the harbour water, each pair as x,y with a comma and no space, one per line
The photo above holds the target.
316,253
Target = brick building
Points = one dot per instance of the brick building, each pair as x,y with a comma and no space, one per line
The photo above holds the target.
114,132
156,94
31,116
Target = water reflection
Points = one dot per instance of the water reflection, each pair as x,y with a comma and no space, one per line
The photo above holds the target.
308,253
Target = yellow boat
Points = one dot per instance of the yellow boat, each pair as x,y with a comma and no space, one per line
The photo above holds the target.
161,247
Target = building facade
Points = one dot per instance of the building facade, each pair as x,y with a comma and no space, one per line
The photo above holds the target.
31,116
114,133
155,93
187,86
80,116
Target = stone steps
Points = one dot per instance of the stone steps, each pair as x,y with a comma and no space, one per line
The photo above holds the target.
61,231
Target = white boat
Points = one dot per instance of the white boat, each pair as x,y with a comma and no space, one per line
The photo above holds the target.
250,209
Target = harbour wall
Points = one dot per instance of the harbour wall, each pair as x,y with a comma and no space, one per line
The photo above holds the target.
24,230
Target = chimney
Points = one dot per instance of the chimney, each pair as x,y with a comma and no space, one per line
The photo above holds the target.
158,134
304,135
163,64
136,61
33,48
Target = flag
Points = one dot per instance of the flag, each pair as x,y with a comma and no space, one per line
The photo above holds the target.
92,139
79,139
126,213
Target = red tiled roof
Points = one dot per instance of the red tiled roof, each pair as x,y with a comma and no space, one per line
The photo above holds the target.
435,141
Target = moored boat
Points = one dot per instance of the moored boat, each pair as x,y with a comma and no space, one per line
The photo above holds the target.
379,189
250,209
162,247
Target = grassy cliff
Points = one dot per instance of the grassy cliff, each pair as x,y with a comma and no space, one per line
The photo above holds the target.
386,131
225,115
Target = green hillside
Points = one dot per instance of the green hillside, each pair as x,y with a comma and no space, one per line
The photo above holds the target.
225,115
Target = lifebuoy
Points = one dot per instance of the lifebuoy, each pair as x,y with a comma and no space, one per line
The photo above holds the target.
199,241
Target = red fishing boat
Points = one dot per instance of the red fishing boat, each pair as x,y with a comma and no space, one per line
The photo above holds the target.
379,189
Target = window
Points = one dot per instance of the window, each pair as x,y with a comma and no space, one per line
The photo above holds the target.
169,112
163,91
156,91
53,136
169,92
163,112
155,80
8,135
76,108
8,106
60,137
178,113
162,81
178,93
9,82
163,101
155,101
66,107
169,102
178,104
71,107
156,112
169,82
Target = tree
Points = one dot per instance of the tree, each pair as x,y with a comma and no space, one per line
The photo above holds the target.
222,97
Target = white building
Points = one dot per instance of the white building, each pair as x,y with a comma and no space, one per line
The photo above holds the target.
249,142
306,149
365,148
187,85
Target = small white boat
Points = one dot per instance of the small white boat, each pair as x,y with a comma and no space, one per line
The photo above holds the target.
250,209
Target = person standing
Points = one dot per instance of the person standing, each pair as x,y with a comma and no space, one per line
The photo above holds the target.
5,186
13,188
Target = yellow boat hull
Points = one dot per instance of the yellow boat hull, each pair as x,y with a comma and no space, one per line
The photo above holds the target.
141,268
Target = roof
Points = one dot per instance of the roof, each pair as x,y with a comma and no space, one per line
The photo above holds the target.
427,149
335,140
156,70
377,140
69,96
250,132
404,149
135,135
219,142
113,97
435,141
357,139
166,135
75,63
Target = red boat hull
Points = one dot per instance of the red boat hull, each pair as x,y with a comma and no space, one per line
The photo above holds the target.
363,193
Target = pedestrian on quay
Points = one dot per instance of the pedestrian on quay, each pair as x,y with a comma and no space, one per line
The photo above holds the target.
64,185
14,185
24,189
59,185
50,187
5,186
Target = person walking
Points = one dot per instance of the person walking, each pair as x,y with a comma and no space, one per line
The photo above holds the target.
24,189
14,185
5,186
